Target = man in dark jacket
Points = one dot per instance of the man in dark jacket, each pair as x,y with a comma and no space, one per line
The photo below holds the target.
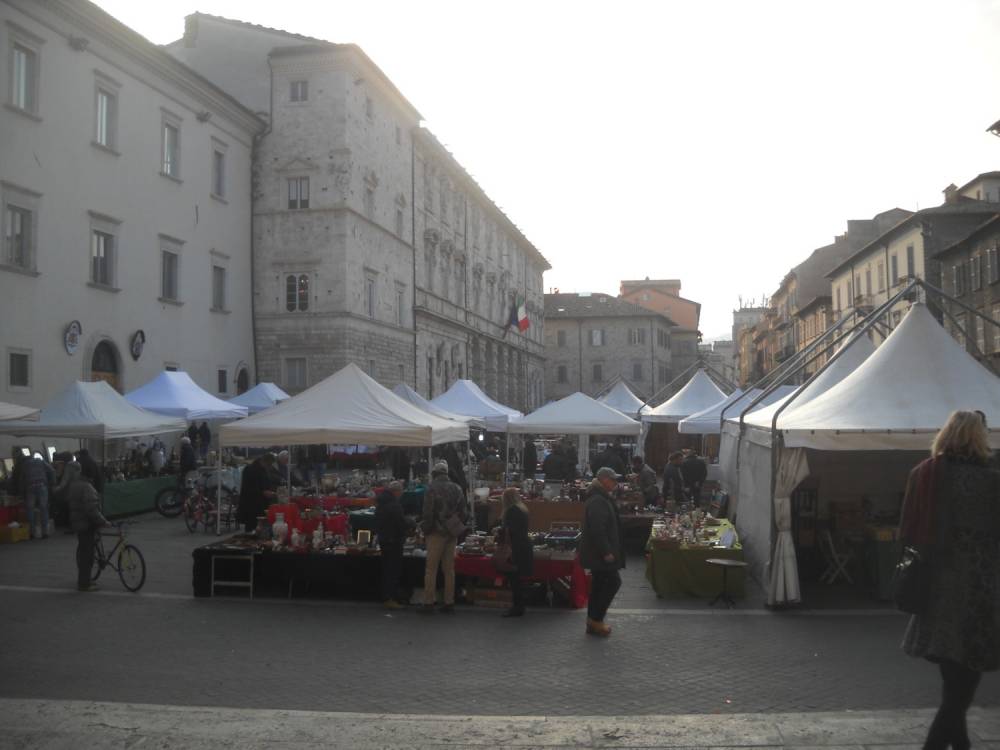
611,458
646,479
601,548
530,459
392,527
695,473
673,479
256,490
204,440
85,518
36,481
188,461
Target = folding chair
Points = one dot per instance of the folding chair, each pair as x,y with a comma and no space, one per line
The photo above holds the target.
836,560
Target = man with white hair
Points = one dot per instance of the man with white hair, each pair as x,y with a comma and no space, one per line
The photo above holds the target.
188,461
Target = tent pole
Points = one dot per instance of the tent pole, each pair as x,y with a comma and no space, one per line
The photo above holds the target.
289,448
218,490
469,496
506,459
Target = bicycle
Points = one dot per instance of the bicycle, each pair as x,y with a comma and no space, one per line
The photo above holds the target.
198,508
128,562
195,498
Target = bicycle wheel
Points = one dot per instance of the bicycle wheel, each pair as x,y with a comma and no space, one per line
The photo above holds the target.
229,502
169,502
191,514
98,564
208,514
131,567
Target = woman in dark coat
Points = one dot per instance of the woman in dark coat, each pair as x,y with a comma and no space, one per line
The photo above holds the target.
950,513
515,528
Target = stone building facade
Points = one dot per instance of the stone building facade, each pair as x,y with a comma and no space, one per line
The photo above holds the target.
126,216
663,296
371,243
592,340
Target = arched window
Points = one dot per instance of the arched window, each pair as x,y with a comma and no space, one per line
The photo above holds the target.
296,292
104,365
242,381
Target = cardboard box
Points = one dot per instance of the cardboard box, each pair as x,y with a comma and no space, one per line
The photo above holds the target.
12,534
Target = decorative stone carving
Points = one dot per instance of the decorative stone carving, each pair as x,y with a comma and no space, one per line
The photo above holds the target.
447,247
432,237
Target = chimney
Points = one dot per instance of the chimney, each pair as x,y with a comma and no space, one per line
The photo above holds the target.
191,30
951,194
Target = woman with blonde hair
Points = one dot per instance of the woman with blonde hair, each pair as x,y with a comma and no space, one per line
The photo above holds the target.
950,516
514,527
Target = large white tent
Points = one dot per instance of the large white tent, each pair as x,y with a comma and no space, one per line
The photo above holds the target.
262,396
466,398
889,407
15,411
347,407
92,411
698,394
622,398
408,394
177,395
577,414
709,421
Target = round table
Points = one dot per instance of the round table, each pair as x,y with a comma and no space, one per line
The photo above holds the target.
725,564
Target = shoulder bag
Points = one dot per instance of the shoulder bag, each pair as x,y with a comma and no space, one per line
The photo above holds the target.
911,581
503,555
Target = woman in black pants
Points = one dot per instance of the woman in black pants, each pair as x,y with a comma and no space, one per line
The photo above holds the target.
950,513
515,527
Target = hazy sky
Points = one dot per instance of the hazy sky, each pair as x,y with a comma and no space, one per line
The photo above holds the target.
715,142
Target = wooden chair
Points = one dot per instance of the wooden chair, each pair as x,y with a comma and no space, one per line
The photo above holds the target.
836,559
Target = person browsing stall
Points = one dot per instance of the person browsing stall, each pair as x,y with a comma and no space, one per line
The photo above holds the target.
601,548
85,519
392,528
514,527
257,487
188,461
673,478
951,516
646,479
529,458
443,519
695,472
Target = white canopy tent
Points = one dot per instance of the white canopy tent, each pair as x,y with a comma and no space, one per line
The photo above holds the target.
622,398
890,407
698,394
577,414
262,396
708,421
15,411
408,394
466,398
177,395
92,411
347,407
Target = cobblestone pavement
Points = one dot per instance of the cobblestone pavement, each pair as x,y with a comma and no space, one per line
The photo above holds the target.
165,647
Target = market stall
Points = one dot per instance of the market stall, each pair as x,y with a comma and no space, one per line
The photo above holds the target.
468,400
677,553
622,398
96,411
660,435
854,442
15,411
405,392
175,394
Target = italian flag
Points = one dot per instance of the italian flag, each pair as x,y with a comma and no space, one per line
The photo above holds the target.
519,315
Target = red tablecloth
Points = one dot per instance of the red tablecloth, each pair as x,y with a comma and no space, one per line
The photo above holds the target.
543,570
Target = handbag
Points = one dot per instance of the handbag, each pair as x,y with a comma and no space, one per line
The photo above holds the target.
911,582
455,525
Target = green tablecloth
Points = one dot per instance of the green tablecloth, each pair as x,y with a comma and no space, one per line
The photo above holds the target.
684,572
135,496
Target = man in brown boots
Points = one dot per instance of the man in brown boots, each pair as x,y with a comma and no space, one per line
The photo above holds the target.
601,548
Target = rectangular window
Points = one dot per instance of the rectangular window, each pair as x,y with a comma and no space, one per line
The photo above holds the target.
17,237
218,173
597,337
24,78
911,266
107,118
980,326
598,374
958,279
298,192
18,369
370,203
995,336
400,307
663,373
992,266
976,272
370,297
637,371
300,91
218,288
881,276
295,372
894,269
102,255
297,292
561,374
169,271
560,338
868,281
171,150
839,305
223,380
